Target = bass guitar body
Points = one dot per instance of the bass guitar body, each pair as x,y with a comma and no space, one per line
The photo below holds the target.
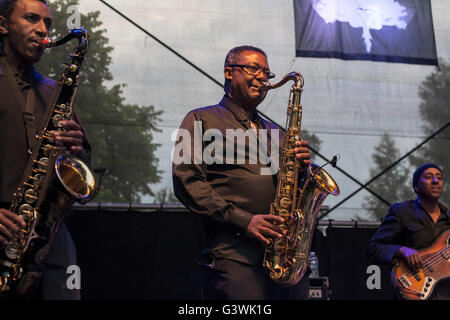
419,284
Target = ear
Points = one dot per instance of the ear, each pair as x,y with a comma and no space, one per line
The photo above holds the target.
228,73
3,26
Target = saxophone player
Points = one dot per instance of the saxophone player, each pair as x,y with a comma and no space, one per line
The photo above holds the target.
25,94
233,197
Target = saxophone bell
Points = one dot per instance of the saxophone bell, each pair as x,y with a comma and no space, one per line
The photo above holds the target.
76,178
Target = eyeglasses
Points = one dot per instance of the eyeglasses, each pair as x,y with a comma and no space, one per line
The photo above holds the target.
254,70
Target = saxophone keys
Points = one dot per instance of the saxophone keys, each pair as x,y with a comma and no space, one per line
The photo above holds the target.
68,82
42,163
31,196
56,120
12,250
25,210
62,108
290,164
70,67
285,203
49,136
28,185
37,178
291,261
276,273
39,171
46,149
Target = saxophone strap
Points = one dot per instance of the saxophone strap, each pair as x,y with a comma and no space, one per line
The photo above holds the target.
27,107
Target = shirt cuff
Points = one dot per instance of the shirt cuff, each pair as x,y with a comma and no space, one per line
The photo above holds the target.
392,254
240,218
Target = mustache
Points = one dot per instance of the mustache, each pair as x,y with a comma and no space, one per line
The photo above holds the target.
38,40
261,86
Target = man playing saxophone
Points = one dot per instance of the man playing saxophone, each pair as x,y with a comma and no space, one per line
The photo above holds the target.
25,94
233,197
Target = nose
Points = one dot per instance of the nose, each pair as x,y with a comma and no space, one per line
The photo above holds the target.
41,29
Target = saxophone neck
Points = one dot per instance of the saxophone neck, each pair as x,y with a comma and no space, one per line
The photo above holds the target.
294,76
80,34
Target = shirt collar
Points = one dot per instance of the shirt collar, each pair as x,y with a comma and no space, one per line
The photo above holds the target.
239,112
444,210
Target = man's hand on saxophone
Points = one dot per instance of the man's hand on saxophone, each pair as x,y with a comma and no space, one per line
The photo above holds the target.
264,226
302,153
71,137
10,224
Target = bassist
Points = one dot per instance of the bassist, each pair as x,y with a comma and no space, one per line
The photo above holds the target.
413,225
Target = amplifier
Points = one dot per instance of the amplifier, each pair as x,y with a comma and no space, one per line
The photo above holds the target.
319,288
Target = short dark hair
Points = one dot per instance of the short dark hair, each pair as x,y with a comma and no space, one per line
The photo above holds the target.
233,57
7,7
233,54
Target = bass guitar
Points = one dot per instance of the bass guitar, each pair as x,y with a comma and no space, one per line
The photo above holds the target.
419,284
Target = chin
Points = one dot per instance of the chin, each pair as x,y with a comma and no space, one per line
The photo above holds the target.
37,57
435,196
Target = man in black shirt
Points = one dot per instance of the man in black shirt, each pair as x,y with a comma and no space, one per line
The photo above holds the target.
413,225
23,26
224,168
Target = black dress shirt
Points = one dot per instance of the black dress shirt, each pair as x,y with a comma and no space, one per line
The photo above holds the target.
227,194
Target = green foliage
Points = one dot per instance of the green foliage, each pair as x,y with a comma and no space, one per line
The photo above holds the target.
435,112
165,195
120,134
313,141
393,186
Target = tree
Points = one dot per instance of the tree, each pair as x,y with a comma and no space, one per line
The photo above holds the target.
165,195
435,112
313,141
120,133
394,185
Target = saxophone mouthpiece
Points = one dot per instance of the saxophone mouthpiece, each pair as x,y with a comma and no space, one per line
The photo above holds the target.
266,86
48,42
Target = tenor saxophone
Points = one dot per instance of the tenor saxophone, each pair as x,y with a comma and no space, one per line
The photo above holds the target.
52,180
299,196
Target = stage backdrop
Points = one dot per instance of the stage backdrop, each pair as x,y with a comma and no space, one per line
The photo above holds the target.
381,30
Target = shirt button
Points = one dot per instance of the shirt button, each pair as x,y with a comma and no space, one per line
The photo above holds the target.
238,234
